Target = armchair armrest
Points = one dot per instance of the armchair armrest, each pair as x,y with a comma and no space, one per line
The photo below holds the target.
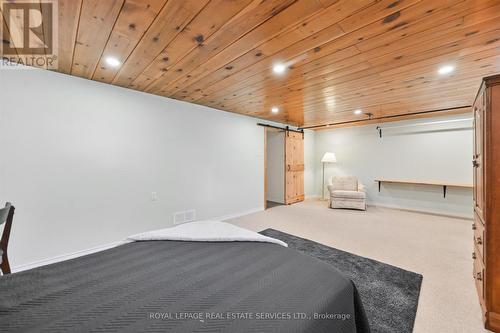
361,188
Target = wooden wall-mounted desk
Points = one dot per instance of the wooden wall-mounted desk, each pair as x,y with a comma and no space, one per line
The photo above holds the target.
445,185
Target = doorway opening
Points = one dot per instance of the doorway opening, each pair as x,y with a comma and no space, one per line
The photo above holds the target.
284,166
275,168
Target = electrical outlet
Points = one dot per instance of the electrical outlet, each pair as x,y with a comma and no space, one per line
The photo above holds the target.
154,196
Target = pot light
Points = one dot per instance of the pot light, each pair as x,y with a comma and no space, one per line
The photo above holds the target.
446,69
274,109
113,62
279,68
358,111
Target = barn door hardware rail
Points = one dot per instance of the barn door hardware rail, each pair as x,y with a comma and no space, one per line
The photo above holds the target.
287,128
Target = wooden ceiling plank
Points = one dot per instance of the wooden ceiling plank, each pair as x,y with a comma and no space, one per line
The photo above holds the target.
247,19
69,17
366,32
191,68
47,31
404,91
248,85
6,34
413,71
392,109
200,94
287,46
6,38
318,109
378,9
408,54
171,21
39,41
204,25
377,82
466,11
14,25
425,83
134,20
451,98
97,20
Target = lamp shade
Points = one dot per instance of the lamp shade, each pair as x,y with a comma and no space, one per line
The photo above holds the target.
329,158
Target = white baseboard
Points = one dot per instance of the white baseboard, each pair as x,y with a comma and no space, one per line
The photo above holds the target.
422,211
63,257
95,249
239,214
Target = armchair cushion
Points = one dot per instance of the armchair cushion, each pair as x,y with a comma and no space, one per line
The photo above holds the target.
346,183
348,194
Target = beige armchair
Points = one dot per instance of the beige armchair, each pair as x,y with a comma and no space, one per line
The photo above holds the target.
347,192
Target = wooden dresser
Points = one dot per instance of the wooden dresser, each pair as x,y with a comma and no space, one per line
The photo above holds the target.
486,226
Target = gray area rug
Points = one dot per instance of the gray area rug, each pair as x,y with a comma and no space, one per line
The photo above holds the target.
389,294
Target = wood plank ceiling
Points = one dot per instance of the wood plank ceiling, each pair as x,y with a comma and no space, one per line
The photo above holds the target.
379,56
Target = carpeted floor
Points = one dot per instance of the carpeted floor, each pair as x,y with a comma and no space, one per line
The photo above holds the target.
389,294
437,247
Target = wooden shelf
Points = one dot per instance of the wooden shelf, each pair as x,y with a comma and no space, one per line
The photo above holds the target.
445,185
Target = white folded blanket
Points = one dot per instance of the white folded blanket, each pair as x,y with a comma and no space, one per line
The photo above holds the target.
205,231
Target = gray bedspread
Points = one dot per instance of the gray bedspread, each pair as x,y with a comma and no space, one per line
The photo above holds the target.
170,286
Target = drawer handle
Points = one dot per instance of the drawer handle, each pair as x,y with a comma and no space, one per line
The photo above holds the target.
474,226
479,241
479,277
473,255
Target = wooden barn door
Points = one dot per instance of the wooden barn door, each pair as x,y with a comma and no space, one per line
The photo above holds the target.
294,167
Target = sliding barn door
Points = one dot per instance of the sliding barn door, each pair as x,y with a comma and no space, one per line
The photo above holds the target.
294,167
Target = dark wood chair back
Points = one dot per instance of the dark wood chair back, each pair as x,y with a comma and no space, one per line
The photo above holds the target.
6,216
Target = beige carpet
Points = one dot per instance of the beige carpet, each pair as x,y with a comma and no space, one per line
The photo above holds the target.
437,247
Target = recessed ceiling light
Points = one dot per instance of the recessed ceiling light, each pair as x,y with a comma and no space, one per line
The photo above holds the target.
113,62
447,69
279,68
358,111
275,109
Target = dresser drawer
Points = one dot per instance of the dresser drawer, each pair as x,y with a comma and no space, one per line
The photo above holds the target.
478,229
478,274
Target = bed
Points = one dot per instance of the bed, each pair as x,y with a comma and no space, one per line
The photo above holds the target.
157,282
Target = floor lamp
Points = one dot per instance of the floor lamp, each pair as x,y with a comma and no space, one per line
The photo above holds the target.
327,158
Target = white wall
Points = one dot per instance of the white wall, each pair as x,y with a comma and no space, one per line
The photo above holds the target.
80,160
436,152
276,166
